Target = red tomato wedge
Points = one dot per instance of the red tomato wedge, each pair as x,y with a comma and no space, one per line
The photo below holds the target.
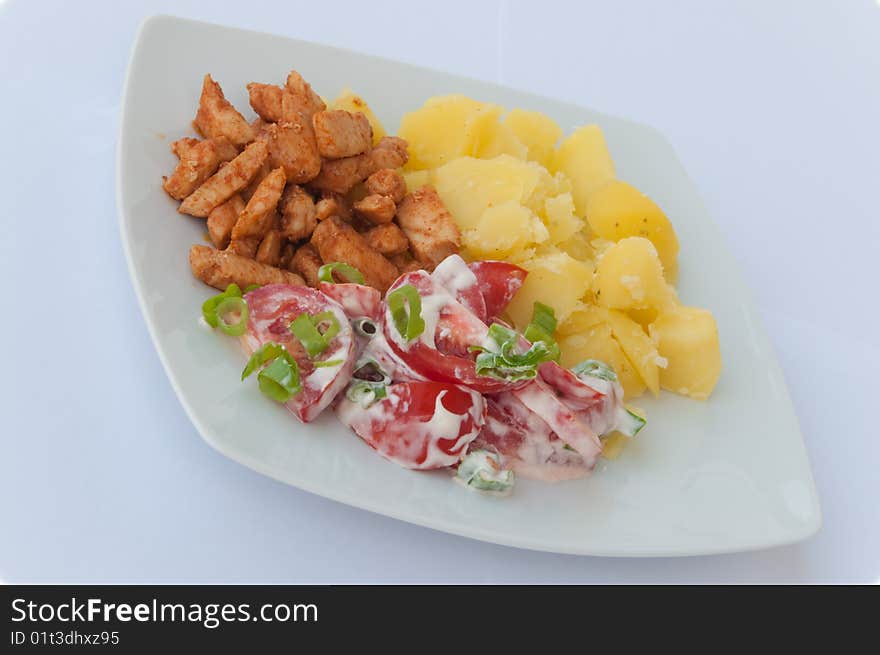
526,443
418,425
271,310
541,400
441,352
498,282
454,275
357,300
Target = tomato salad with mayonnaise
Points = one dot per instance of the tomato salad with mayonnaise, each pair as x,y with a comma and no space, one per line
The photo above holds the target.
431,376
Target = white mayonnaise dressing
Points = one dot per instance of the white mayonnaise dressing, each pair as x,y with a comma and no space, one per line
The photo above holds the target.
454,274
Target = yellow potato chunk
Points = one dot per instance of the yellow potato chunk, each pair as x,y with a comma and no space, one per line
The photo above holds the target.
629,275
469,186
503,229
491,138
688,338
582,317
638,348
536,131
619,210
416,179
557,280
442,130
350,101
584,158
613,445
562,223
597,342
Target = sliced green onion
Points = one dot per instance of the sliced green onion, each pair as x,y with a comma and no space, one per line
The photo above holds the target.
307,328
504,362
365,327
328,363
265,353
365,393
630,422
593,368
482,470
350,273
542,327
280,379
408,321
231,305
209,307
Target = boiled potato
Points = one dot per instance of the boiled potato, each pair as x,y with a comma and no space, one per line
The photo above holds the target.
503,229
468,186
416,179
688,338
440,131
492,138
597,342
562,222
350,101
578,246
629,275
557,280
584,159
613,445
537,132
619,210
638,347
583,316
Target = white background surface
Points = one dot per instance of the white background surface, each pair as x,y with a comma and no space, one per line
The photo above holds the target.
773,108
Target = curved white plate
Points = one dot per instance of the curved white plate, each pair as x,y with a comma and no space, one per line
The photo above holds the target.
727,475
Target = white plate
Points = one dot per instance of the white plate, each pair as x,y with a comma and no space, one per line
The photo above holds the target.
726,475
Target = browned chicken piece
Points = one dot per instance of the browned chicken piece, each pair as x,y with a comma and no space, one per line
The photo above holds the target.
248,191
341,175
269,252
337,241
266,100
387,182
182,146
341,133
259,213
332,204
245,247
226,182
286,255
306,261
222,219
390,152
387,239
217,117
375,209
220,268
259,126
405,262
298,215
292,146
198,162
430,228
298,86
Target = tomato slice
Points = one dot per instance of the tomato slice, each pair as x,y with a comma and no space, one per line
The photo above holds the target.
541,400
357,300
441,352
271,310
526,443
498,282
454,275
418,425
